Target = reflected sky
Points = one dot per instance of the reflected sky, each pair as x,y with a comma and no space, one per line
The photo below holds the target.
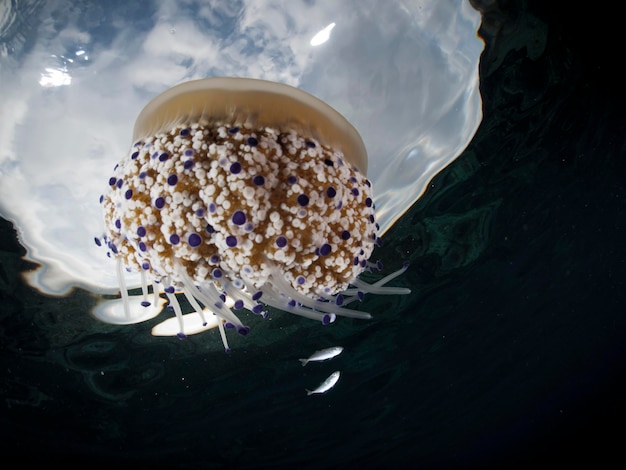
72,83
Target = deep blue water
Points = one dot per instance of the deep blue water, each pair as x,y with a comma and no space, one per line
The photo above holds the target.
511,349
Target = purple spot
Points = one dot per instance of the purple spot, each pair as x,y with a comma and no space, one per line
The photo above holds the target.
189,152
258,180
142,175
170,290
216,273
118,224
339,300
233,130
174,239
172,180
372,219
97,240
239,218
128,194
339,205
281,242
328,162
243,330
212,208
214,259
325,249
231,241
163,157
258,308
235,168
355,191
252,141
112,181
145,265
303,200
154,155
159,202
101,198
145,303
292,180
345,235
257,295
188,164
331,192
238,304
184,132
300,280
209,229
200,212
310,144
368,202
142,246
194,240
134,155
119,183
141,231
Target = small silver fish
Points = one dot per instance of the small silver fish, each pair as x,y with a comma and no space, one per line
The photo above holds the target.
326,384
322,355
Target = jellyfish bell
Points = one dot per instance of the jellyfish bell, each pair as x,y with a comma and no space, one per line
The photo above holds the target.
240,194
254,102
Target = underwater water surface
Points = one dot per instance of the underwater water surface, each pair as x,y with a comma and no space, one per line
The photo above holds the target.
77,76
510,349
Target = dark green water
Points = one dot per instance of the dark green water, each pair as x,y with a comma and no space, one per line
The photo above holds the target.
511,348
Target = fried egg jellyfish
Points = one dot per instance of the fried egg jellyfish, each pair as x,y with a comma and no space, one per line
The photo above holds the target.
410,89
238,193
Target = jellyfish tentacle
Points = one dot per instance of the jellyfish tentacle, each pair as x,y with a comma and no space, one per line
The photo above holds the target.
179,314
121,280
379,287
144,289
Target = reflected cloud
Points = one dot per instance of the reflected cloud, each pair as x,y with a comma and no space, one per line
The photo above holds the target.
55,77
322,36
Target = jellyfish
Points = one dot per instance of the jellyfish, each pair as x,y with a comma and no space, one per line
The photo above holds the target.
240,194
